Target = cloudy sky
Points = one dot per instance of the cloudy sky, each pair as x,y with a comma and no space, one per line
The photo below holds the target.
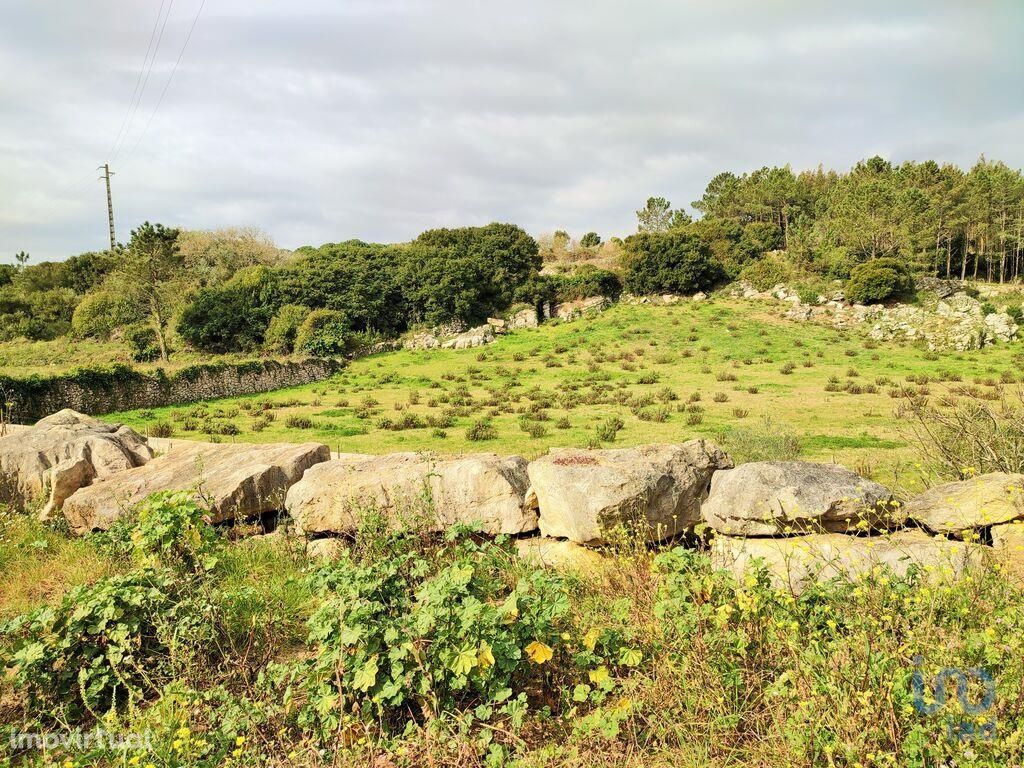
322,120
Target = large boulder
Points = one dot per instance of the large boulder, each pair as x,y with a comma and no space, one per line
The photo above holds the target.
767,498
417,489
474,337
655,489
796,562
524,318
1001,327
984,500
63,453
235,481
561,555
577,308
1008,542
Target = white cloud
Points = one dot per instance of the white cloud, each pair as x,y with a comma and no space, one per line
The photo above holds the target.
320,120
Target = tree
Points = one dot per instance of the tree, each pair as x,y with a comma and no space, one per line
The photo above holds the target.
357,278
151,275
467,273
669,262
20,260
657,216
590,240
233,316
213,257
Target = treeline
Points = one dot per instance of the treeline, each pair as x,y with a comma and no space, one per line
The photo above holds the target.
328,298
873,227
937,218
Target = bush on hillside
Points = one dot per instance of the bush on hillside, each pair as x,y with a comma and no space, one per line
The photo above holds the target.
879,280
143,343
98,315
767,272
280,335
679,262
759,238
324,333
468,273
586,281
233,316
357,278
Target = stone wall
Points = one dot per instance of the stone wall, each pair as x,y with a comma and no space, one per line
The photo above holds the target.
123,388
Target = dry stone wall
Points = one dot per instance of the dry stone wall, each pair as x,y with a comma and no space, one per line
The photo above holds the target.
123,388
802,522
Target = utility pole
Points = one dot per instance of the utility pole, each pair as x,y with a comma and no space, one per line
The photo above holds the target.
110,204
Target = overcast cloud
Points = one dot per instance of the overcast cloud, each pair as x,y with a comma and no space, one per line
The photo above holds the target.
323,120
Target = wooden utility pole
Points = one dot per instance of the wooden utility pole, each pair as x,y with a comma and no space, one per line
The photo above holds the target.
110,203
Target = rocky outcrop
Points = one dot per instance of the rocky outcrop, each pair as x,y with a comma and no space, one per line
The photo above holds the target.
416,489
474,337
975,503
1001,327
234,481
768,498
524,318
572,310
435,337
62,453
657,489
952,322
796,562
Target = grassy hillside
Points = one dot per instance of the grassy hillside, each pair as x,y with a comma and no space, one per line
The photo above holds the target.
731,370
25,358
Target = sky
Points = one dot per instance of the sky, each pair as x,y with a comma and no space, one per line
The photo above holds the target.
324,120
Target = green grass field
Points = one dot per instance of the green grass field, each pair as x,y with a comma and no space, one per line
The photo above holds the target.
731,370
27,358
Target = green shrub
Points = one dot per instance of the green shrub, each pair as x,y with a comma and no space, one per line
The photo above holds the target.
608,429
232,316
809,291
767,272
98,315
280,335
103,645
669,262
143,343
324,333
586,281
160,429
879,280
168,530
481,430
404,635
835,264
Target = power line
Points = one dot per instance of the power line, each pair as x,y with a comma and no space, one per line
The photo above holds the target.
145,81
169,78
138,80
